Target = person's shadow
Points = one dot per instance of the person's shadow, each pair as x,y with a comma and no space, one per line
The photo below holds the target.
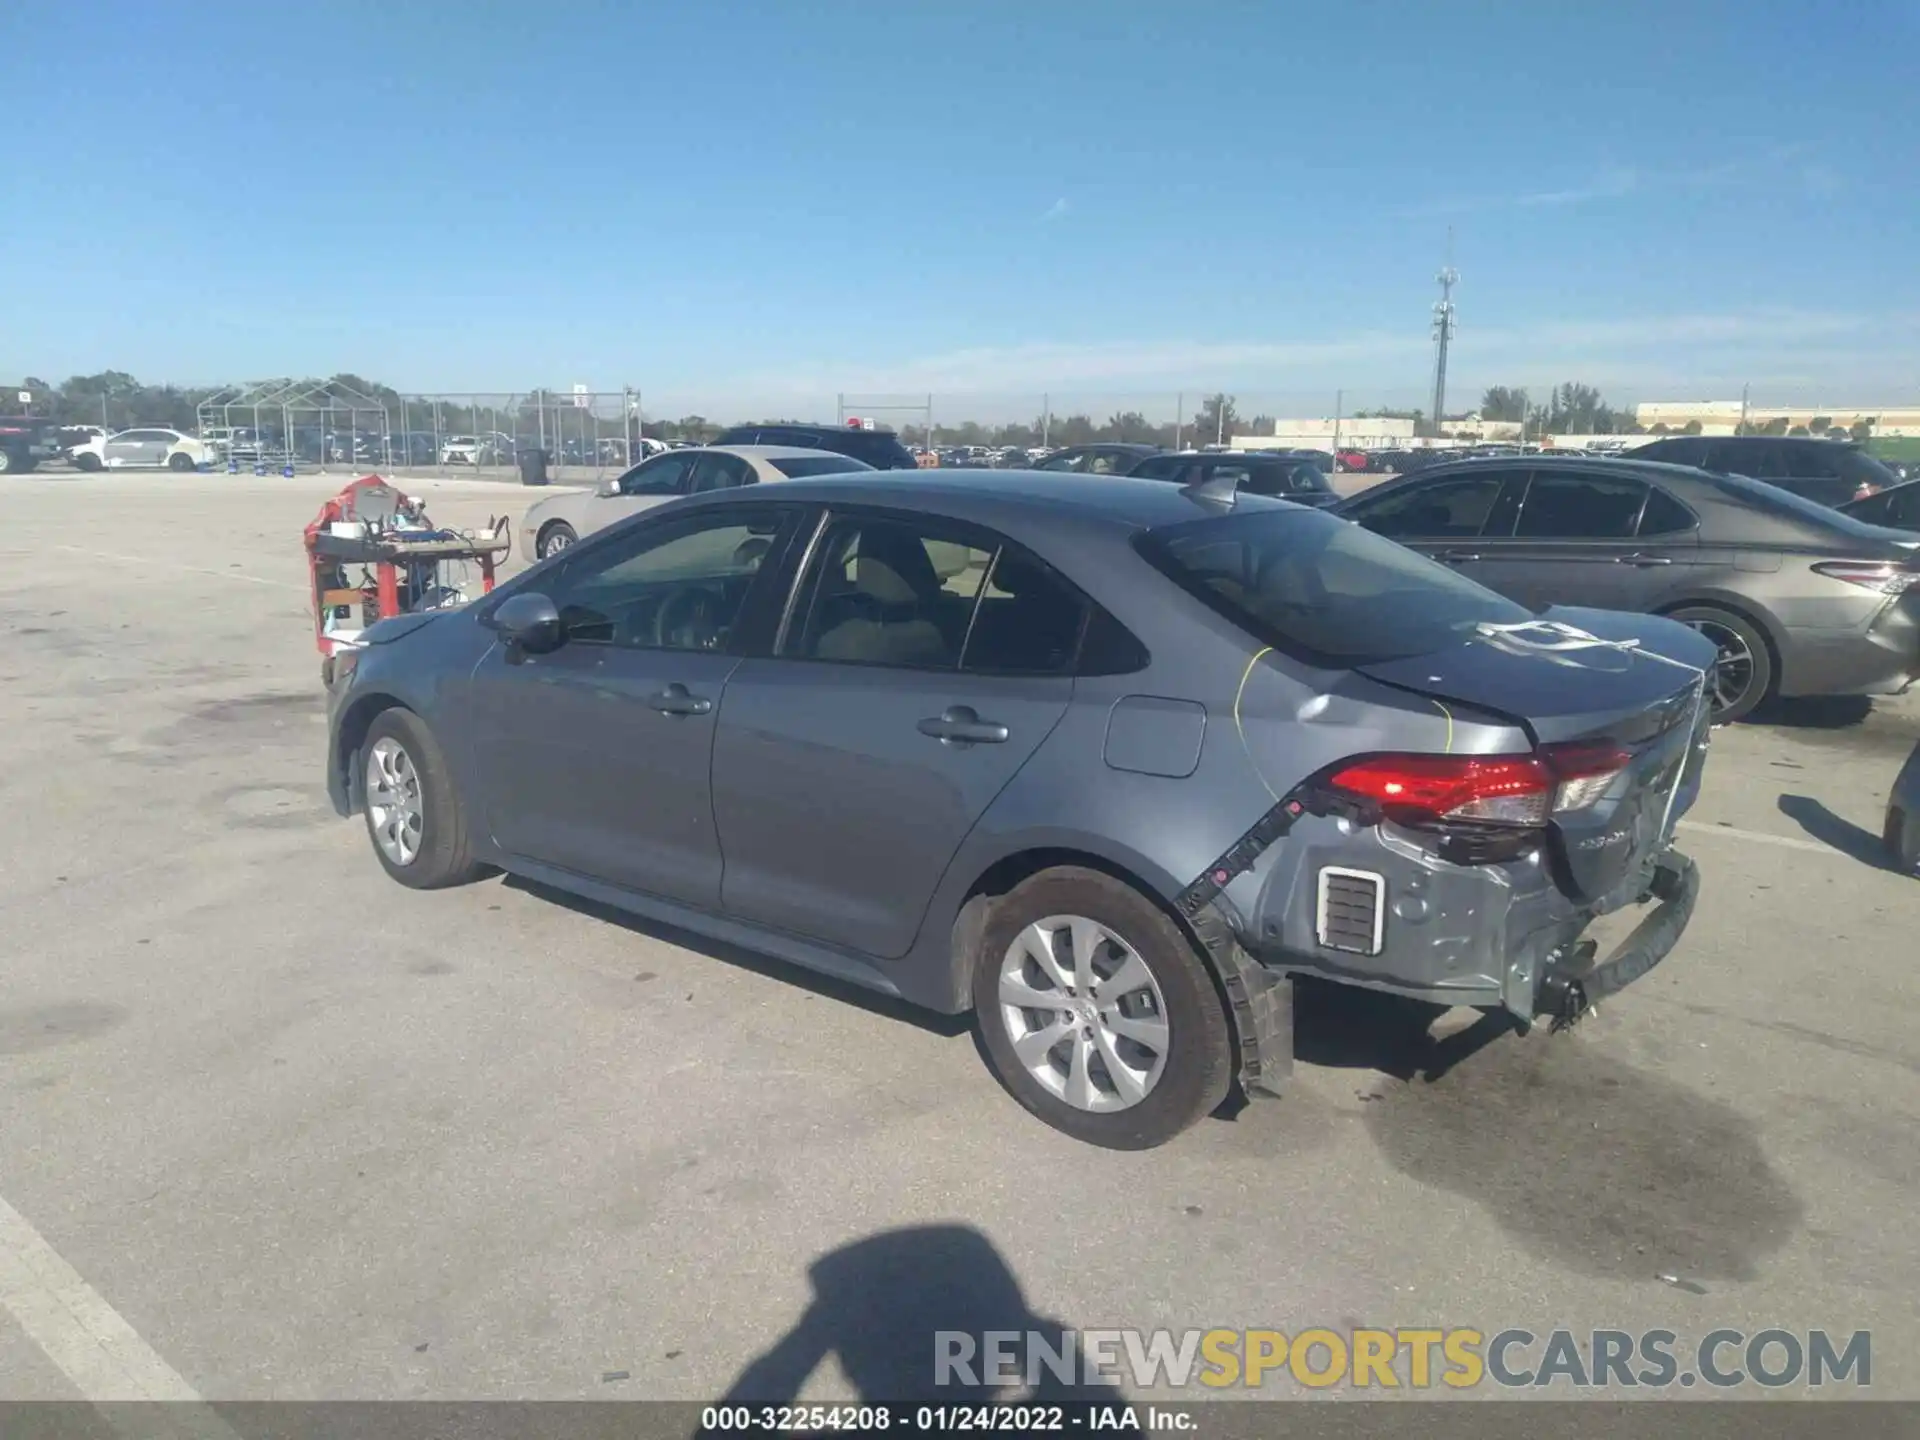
890,1306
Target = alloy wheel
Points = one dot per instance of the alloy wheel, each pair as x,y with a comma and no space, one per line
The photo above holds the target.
1733,671
395,809
555,543
1084,1014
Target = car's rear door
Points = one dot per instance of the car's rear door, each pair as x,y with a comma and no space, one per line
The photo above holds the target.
851,762
1576,541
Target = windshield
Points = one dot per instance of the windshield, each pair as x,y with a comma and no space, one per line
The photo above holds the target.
795,466
1321,588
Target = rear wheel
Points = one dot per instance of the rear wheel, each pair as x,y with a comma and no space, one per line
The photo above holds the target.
180,462
1903,839
553,539
1097,1013
414,816
1743,677
88,462
10,463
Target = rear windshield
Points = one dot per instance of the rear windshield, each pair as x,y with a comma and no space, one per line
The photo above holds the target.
1759,492
795,466
1321,588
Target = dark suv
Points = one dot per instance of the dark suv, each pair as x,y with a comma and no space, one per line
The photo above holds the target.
24,443
1294,477
1829,471
879,448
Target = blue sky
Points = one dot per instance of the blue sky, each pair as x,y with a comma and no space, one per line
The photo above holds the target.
743,206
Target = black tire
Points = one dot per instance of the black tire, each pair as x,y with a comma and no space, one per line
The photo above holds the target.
1903,840
89,462
13,462
1197,1072
1761,678
554,536
179,462
443,855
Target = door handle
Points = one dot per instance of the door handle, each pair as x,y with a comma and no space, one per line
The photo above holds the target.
959,725
1454,557
674,700
1643,560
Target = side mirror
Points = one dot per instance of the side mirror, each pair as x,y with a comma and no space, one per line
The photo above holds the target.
607,489
530,621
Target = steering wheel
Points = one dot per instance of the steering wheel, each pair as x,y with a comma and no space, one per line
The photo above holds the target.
692,609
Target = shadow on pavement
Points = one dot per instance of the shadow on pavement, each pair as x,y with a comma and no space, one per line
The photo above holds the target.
1816,712
878,1305
1823,825
1351,1029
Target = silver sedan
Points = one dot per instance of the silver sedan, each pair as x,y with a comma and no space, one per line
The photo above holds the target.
558,521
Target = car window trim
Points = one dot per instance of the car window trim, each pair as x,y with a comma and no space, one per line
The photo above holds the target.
1534,474
1693,516
998,546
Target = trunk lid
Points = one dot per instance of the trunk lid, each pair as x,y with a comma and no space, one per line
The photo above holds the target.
1631,681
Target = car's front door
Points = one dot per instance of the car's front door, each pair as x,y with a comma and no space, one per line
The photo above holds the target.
593,758
920,666
1445,517
1577,541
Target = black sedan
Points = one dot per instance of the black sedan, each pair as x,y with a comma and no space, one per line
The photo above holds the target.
1108,457
1800,599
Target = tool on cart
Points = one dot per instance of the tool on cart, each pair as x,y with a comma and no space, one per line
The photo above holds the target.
372,553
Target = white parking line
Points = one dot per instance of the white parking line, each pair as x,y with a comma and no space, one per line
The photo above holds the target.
186,569
1760,837
80,1332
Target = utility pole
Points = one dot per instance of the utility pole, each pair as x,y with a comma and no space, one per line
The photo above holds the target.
1179,417
1339,404
1443,333
1743,409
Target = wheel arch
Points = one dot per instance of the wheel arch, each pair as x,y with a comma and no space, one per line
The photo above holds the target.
1741,608
349,736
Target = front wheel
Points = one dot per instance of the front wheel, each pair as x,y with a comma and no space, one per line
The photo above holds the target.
1742,678
88,462
1097,1013
553,539
413,812
10,463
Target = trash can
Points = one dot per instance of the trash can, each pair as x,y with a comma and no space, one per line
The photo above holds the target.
533,466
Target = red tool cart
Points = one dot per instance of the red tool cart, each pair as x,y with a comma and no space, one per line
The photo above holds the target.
372,553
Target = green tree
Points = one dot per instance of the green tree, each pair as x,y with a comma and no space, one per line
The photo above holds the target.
1503,402
1776,426
1692,427
1217,421
1820,424
1799,430
1133,428
1861,430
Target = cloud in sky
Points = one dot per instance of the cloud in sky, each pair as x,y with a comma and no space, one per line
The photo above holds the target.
1057,209
1623,182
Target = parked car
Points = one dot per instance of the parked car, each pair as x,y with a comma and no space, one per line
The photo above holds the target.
560,520
25,441
1352,461
460,450
1831,472
145,448
1292,477
1799,599
1903,817
788,717
1106,458
1898,507
880,449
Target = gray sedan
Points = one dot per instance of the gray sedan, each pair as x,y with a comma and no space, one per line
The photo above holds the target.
1799,598
560,520
1103,761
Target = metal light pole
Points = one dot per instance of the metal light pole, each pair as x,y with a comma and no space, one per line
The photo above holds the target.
1443,336
1339,404
1179,417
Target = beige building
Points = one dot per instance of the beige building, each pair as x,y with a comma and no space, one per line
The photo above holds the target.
1722,417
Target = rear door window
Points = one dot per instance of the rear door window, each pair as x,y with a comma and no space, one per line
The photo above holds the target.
1163,467
1316,587
1029,622
1565,506
1665,515
1435,510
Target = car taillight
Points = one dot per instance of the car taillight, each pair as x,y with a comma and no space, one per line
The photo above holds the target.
1524,790
1882,575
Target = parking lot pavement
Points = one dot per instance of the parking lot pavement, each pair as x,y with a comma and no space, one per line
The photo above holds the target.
305,1133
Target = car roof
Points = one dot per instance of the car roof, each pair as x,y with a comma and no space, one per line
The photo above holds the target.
1600,464
766,452
998,497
